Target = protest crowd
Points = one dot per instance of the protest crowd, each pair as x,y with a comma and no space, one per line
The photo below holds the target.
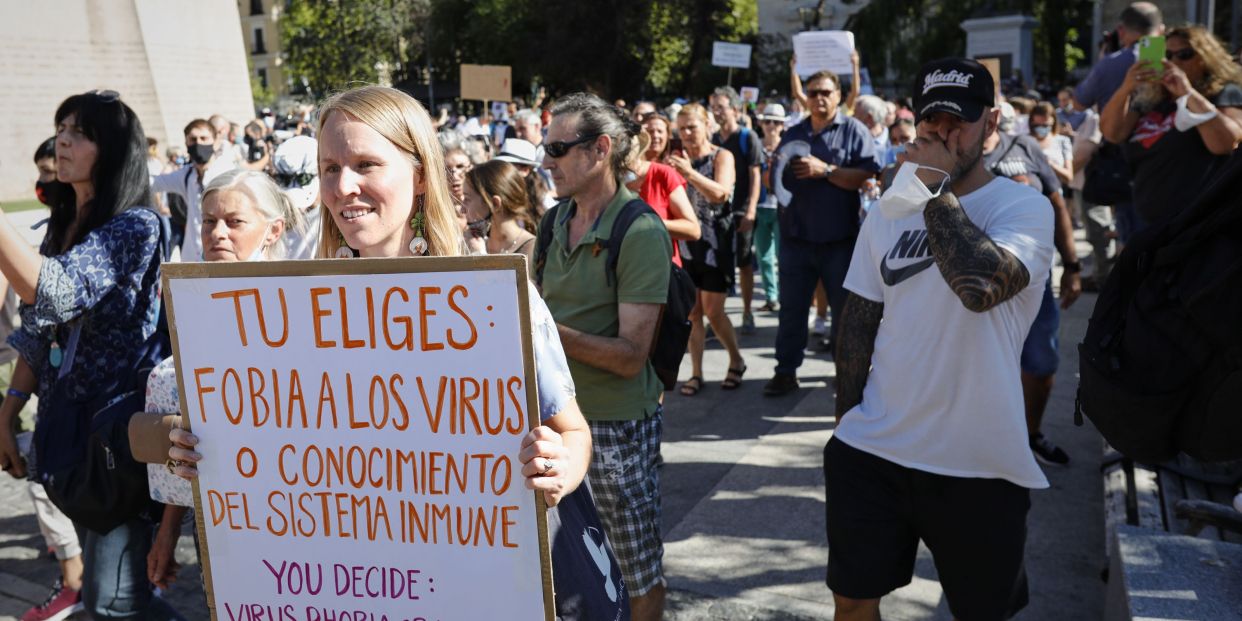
870,226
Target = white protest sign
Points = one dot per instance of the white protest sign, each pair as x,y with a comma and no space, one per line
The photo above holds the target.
750,94
361,422
735,55
824,49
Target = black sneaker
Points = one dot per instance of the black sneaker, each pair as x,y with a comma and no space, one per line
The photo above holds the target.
780,384
1047,452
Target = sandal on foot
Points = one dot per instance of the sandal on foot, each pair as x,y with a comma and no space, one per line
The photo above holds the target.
733,379
689,389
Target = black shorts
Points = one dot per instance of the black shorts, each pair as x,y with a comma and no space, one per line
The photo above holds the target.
878,511
710,278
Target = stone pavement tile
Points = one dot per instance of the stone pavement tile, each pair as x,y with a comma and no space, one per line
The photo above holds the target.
756,541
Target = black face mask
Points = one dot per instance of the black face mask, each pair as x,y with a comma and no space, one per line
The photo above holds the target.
52,193
201,153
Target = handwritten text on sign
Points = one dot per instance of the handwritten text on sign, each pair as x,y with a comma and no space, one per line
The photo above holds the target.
361,435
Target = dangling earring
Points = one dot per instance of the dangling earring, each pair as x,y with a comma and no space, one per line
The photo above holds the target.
418,223
343,251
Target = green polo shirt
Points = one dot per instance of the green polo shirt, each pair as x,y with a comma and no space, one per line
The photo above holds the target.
576,289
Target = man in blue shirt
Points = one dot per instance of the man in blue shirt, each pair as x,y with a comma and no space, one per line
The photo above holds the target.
1138,20
821,163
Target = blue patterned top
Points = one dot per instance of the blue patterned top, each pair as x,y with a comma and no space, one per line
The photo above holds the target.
105,286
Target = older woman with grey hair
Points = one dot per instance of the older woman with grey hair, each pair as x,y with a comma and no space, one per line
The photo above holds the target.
245,214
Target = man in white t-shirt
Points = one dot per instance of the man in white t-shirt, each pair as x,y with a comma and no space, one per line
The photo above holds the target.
931,438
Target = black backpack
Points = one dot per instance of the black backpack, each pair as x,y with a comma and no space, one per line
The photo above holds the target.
82,454
1161,362
673,328
1106,179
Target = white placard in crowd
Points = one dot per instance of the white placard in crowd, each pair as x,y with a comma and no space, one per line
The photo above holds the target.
361,421
500,109
736,55
750,94
824,49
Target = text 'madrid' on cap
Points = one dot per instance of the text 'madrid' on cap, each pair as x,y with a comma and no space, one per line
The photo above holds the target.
959,86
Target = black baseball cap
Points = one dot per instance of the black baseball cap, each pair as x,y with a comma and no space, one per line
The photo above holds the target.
959,86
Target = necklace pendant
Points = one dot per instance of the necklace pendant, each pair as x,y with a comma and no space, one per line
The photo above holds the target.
344,252
418,246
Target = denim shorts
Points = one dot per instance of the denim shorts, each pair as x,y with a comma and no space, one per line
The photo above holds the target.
1039,352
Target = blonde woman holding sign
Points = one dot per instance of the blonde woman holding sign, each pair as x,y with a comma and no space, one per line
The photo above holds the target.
385,191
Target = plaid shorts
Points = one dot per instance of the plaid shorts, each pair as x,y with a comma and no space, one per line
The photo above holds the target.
625,479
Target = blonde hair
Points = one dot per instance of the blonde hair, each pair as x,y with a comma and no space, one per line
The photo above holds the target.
405,123
694,109
268,199
640,149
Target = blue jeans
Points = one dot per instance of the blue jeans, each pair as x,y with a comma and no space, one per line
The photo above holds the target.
802,266
114,581
767,245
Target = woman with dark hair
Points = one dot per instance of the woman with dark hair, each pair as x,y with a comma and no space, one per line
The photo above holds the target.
499,210
90,301
1177,124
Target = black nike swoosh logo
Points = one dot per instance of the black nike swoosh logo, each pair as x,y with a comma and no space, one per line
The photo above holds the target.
893,276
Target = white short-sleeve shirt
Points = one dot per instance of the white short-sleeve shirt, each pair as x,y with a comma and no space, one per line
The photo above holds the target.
944,394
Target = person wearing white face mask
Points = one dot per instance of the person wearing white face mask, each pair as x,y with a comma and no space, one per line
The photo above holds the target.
245,214
1057,147
931,439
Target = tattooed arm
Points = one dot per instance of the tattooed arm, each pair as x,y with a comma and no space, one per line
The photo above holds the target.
980,273
860,321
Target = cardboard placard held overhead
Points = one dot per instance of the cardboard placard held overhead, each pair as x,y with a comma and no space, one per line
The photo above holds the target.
735,55
486,82
360,422
824,49
750,94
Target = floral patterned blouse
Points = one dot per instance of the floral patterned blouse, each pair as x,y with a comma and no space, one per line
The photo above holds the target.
102,290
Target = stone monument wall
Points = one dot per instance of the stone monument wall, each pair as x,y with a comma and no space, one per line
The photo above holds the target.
171,61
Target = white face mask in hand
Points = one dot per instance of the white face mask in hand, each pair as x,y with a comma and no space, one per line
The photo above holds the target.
908,195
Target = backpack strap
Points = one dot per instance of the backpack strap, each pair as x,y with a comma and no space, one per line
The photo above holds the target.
543,240
630,212
745,141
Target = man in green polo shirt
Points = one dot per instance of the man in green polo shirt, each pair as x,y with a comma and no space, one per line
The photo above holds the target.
607,330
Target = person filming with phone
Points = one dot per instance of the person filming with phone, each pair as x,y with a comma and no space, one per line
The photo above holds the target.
1178,118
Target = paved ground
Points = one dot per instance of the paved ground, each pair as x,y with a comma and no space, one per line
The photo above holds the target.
744,503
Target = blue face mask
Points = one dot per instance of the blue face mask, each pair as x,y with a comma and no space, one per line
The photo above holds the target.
899,149
1042,131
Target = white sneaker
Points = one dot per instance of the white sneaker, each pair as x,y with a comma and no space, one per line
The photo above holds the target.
819,328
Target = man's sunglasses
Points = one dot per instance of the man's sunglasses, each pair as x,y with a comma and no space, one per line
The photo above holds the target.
1182,54
820,92
559,148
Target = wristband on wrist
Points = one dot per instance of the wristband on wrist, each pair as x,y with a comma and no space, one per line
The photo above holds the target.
1073,267
13,392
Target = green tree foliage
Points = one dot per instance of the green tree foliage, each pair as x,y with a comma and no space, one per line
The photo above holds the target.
611,47
336,43
903,34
